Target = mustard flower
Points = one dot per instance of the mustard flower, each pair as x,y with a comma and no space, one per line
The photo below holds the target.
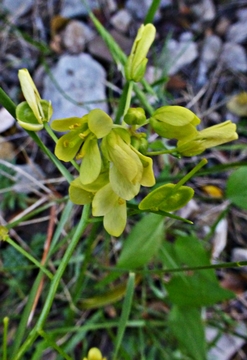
108,204
128,168
174,122
135,66
82,141
94,354
207,138
32,113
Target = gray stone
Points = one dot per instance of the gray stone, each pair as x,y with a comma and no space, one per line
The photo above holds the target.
211,49
80,86
6,120
71,8
204,10
241,14
178,54
237,33
76,35
234,57
239,254
17,8
121,20
139,8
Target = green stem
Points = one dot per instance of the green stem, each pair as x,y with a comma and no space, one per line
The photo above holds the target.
30,257
5,337
161,152
55,283
236,264
190,174
53,345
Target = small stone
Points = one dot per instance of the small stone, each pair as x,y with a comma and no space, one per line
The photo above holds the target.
211,50
178,55
204,10
80,86
241,14
121,20
234,57
239,254
237,33
138,8
6,120
72,8
76,35
17,8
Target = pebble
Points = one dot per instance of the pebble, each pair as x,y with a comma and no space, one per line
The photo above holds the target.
6,120
7,150
138,8
80,79
204,10
239,254
121,20
72,8
234,57
237,32
76,36
17,8
179,54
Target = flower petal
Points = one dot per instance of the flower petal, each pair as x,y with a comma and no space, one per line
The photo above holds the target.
78,195
91,163
71,123
115,220
68,146
121,185
104,201
99,123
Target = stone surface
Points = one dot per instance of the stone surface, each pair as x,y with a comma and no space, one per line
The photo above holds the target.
81,82
6,120
204,10
239,254
16,8
76,35
234,57
237,32
72,8
121,20
178,54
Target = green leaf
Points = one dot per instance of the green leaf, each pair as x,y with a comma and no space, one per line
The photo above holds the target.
187,326
142,243
200,288
236,189
167,198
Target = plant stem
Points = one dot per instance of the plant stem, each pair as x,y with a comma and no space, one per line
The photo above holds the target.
55,283
128,97
5,337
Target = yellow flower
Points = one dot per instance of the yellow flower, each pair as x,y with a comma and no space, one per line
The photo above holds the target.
94,354
128,168
108,204
32,113
135,66
174,122
207,138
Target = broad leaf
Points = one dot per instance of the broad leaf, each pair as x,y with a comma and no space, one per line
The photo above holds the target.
236,189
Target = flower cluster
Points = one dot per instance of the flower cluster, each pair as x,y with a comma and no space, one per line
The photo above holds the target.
112,169
114,158
94,354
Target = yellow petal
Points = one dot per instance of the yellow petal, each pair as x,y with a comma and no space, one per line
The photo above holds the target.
115,220
99,123
91,162
104,201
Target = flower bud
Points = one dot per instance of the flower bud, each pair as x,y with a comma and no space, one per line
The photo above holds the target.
135,116
136,63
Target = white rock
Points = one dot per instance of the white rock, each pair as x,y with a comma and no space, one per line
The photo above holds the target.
17,8
239,254
6,120
121,20
204,10
234,57
138,8
242,14
71,8
237,32
76,35
211,49
80,80
178,55
225,345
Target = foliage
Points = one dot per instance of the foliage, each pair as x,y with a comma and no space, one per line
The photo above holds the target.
102,273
